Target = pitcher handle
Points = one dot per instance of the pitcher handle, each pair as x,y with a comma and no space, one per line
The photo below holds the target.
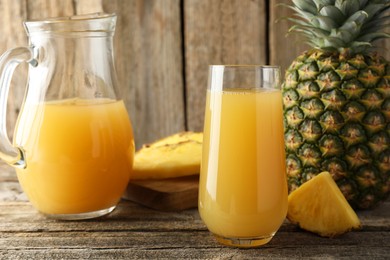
8,62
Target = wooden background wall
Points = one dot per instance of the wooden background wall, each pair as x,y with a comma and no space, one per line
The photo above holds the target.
163,49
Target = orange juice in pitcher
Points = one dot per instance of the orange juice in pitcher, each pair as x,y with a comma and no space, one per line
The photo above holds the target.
79,155
73,145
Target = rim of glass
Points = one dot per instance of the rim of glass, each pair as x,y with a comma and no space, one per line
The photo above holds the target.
72,18
245,66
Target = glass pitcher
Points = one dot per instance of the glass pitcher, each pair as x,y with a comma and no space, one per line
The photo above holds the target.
73,144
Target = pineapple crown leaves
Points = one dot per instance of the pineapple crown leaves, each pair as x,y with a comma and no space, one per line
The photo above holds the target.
340,24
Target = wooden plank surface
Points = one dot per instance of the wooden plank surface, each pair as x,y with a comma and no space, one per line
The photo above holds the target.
149,63
170,194
283,48
134,232
219,32
12,34
38,9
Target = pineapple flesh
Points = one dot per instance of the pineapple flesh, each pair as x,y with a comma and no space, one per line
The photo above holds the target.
336,99
177,155
320,207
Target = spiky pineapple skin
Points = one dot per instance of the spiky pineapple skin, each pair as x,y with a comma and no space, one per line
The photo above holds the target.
337,119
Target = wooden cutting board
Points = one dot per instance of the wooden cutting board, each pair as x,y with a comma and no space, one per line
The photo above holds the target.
166,194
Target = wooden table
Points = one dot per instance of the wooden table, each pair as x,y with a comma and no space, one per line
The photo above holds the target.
135,232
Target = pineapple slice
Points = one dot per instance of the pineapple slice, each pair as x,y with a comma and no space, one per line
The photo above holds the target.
178,138
174,156
319,206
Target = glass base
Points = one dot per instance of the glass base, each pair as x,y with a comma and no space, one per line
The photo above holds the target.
244,242
81,216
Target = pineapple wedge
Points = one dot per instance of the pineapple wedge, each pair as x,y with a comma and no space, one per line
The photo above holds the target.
320,207
174,156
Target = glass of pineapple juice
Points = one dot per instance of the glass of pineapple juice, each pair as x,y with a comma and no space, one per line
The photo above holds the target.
243,188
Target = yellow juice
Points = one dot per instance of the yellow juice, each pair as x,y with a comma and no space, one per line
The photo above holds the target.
79,154
243,189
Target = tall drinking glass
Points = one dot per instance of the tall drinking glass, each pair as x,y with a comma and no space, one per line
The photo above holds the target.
243,188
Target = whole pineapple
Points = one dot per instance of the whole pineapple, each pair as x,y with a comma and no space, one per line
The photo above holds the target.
336,99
